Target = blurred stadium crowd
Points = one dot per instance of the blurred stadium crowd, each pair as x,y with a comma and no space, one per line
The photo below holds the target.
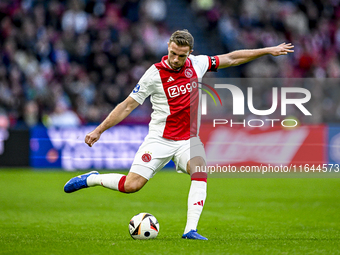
70,62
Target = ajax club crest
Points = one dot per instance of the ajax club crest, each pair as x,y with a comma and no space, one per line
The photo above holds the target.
146,157
188,73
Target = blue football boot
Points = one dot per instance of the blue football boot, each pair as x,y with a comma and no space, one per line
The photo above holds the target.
192,234
78,182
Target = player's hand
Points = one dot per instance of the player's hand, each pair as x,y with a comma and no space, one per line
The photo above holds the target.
282,49
92,137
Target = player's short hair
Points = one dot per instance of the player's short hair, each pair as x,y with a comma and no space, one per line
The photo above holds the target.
182,38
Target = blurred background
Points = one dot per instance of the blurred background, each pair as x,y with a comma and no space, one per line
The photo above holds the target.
67,64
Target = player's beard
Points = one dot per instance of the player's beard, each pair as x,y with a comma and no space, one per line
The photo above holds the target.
175,66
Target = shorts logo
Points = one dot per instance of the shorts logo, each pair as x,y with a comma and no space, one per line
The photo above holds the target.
146,157
136,89
188,73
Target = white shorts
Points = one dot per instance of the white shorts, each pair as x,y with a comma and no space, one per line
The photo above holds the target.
155,152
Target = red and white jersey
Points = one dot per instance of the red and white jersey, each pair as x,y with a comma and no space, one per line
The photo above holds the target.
175,96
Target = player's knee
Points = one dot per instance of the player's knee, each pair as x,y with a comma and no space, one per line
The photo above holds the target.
194,165
131,187
134,182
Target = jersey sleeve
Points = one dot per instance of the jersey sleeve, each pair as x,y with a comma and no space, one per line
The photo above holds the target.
205,63
143,88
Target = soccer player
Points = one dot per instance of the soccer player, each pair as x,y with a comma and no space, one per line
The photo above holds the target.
173,129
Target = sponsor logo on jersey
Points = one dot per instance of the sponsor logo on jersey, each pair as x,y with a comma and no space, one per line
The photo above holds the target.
174,91
177,90
136,89
188,73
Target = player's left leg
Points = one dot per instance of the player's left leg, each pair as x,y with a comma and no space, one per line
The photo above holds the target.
190,159
196,198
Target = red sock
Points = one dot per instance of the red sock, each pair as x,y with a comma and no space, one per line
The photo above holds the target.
199,176
121,184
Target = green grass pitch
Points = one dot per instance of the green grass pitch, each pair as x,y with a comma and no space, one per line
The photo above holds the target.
241,216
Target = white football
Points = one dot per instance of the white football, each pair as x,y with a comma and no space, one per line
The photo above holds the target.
143,226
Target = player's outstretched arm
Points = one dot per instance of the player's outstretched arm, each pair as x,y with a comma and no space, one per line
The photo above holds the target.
119,113
239,57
